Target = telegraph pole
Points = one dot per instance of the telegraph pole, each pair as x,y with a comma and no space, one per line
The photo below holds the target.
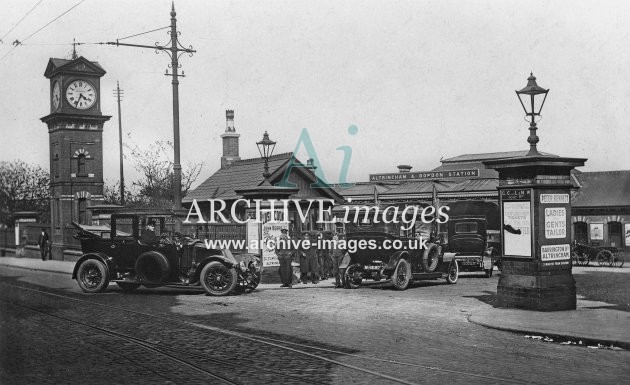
118,93
174,51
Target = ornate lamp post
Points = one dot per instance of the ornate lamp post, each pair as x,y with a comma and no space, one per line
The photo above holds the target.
266,147
530,98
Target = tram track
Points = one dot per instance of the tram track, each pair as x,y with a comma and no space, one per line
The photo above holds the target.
289,346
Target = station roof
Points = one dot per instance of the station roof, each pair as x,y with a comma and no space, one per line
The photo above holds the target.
602,189
247,173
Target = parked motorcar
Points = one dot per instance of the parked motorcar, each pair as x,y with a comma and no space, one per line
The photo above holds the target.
117,253
468,240
392,254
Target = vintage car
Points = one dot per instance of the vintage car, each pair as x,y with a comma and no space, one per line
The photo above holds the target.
117,253
468,240
395,254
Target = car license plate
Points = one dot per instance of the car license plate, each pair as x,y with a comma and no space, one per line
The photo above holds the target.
372,268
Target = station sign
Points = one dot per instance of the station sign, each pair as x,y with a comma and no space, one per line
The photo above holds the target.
424,175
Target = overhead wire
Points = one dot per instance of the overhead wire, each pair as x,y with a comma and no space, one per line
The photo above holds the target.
143,33
16,43
19,21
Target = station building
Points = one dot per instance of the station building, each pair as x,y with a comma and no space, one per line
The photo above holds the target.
600,200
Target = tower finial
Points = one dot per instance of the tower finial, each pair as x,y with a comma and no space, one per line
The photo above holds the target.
74,49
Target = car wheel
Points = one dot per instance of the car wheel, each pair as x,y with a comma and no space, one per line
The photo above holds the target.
604,258
430,258
488,273
453,272
218,279
92,276
128,287
402,275
353,276
152,268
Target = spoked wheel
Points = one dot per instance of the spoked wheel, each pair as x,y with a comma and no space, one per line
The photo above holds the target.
618,260
128,287
218,279
453,272
353,276
402,275
92,276
583,259
604,258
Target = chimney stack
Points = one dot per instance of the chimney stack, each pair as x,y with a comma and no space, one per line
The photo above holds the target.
230,141
404,168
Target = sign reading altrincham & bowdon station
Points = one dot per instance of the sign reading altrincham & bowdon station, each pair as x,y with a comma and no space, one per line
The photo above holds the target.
425,175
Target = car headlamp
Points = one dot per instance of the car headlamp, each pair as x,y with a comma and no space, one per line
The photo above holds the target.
242,265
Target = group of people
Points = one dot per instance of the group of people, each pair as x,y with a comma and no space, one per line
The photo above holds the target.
310,260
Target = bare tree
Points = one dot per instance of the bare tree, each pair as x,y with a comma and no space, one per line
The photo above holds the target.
155,188
23,187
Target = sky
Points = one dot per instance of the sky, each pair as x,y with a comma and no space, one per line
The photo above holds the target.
422,80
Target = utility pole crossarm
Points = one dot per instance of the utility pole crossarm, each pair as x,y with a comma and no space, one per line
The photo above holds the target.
158,47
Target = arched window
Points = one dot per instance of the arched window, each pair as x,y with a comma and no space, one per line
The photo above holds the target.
83,211
581,232
614,234
81,165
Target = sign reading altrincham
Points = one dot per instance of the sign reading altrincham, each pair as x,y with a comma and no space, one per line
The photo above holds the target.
425,175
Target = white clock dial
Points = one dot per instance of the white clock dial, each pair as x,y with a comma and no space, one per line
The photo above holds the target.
56,95
81,94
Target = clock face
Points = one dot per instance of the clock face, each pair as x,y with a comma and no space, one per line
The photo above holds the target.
81,94
56,95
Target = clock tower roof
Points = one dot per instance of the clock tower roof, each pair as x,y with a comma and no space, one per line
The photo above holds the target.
78,66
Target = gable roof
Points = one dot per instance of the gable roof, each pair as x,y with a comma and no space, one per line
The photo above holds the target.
247,173
602,189
488,156
78,65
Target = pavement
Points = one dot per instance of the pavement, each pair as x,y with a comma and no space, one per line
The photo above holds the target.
592,323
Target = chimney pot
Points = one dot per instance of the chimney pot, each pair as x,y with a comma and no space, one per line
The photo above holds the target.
404,168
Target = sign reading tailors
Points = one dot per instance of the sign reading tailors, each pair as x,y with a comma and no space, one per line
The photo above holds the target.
555,252
555,223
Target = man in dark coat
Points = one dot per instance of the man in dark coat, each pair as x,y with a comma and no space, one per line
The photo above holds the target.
308,260
284,253
42,242
148,235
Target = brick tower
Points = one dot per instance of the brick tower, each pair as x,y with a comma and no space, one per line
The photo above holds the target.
75,129
230,141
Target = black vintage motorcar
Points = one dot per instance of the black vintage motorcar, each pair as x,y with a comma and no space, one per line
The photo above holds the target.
395,254
468,239
117,253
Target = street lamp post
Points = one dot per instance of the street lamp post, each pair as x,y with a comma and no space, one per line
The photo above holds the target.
530,98
266,147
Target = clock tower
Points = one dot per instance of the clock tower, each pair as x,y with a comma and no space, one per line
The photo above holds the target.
75,129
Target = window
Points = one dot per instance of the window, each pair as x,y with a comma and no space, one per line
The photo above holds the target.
466,227
83,211
81,165
581,232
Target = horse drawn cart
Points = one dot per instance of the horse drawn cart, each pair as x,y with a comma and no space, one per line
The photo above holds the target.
604,255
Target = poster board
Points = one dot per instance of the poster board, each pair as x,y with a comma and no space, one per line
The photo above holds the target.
597,231
517,229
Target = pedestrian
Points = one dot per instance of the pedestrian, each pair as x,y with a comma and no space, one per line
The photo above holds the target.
308,260
337,256
42,243
284,253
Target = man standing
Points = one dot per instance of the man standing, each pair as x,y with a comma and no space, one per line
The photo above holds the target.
42,242
283,251
337,256
308,260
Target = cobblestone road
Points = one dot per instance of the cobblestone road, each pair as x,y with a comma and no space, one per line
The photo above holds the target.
328,331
